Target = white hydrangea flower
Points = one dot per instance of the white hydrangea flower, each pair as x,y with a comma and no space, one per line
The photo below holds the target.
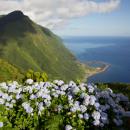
40,106
2,101
109,90
83,108
82,95
13,101
1,124
73,109
104,107
68,127
19,90
18,96
7,104
5,96
86,116
32,96
92,100
47,103
75,90
96,122
9,98
12,88
59,108
82,86
70,97
90,88
64,87
3,85
72,84
29,81
118,122
60,83
55,81
15,83
80,116
1,94
11,105
96,115
86,100
97,105
29,109
104,118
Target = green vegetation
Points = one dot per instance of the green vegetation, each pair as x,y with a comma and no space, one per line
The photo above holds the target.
117,87
30,46
8,71
36,76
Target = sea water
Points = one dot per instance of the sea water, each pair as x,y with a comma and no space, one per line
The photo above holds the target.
112,50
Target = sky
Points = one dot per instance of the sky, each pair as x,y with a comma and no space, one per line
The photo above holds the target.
76,17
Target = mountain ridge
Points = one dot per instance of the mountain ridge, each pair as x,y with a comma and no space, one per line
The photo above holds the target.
28,45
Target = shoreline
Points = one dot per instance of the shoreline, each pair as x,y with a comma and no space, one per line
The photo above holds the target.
91,71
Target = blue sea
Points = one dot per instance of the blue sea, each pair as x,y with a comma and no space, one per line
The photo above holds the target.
112,50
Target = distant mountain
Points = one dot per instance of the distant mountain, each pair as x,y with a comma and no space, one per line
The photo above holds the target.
27,45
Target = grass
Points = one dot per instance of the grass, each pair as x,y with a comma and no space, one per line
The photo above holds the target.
8,71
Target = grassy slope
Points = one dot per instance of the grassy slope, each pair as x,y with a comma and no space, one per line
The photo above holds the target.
8,71
28,45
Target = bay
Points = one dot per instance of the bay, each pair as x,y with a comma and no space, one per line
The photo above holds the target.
112,50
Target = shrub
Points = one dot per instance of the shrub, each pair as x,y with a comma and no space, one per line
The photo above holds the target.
36,76
56,105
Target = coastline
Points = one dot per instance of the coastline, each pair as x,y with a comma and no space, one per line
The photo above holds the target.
91,71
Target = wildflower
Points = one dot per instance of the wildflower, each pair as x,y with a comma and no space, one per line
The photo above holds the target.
18,96
86,100
83,108
97,105
29,109
104,117
40,106
68,127
64,87
72,84
96,115
90,88
118,122
13,101
60,83
96,122
60,107
86,116
2,101
82,95
80,116
29,81
82,86
75,90
1,124
33,96
92,100
3,85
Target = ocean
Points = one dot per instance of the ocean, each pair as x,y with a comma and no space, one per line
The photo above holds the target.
112,50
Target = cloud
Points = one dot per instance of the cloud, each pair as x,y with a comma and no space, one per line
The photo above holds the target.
55,13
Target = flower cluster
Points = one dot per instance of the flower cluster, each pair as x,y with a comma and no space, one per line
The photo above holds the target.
82,105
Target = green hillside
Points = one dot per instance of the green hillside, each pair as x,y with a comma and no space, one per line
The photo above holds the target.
27,45
8,71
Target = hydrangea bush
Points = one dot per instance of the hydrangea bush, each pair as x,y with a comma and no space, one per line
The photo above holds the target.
32,105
